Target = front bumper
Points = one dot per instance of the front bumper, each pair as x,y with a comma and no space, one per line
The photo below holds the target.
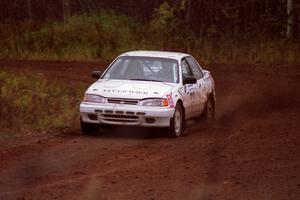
119,114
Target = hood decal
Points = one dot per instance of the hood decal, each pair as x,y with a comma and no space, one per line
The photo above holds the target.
124,91
129,89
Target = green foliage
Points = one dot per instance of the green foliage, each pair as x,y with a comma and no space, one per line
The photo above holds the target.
168,22
104,35
29,103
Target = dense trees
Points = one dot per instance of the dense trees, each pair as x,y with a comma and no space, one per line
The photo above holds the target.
290,16
272,17
213,29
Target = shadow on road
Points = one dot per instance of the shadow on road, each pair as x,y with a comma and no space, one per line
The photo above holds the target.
124,132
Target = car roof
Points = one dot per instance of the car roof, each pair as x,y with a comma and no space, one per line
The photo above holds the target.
156,54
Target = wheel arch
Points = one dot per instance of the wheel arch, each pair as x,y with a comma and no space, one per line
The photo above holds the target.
212,96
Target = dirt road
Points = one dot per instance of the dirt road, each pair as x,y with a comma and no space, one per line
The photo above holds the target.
251,152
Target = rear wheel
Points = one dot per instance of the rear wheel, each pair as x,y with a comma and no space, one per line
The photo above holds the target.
209,112
177,122
88,128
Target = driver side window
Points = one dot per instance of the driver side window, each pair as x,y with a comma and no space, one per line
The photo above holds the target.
186,71
195,68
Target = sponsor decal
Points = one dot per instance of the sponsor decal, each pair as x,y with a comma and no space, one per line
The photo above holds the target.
124,91
191,88
170,100
199,86
181,91
207,79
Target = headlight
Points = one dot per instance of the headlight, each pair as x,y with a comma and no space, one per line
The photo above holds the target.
154,102
93,98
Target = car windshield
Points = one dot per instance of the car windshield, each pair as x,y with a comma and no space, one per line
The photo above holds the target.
143,69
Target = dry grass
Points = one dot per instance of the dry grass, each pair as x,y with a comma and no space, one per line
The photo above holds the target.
30,103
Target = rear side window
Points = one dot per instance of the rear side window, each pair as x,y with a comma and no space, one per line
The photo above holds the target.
195,68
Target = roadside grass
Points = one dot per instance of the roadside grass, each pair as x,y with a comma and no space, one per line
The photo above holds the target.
258,51
29,103
83,37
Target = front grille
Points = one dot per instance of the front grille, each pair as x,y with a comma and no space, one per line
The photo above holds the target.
93,117
120,118
123,101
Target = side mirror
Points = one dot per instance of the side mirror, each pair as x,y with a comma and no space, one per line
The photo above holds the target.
189,80
96,74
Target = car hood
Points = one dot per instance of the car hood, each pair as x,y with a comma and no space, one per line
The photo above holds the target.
130,89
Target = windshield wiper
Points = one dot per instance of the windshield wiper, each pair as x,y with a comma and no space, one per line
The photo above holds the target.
140,79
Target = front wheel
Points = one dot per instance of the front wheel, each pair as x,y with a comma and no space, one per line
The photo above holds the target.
177,122
88,128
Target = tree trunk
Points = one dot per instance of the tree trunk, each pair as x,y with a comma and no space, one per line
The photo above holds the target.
189,8
66,9
266,6
290,22
29,9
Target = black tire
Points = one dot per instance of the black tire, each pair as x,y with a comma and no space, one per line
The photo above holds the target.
209,112
87,128
177,122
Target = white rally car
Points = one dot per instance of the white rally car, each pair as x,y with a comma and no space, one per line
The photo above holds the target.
151,89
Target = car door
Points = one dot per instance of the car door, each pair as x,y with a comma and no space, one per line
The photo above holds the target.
201,93
190,91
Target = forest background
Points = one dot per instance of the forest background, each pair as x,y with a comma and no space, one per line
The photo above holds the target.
215,31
